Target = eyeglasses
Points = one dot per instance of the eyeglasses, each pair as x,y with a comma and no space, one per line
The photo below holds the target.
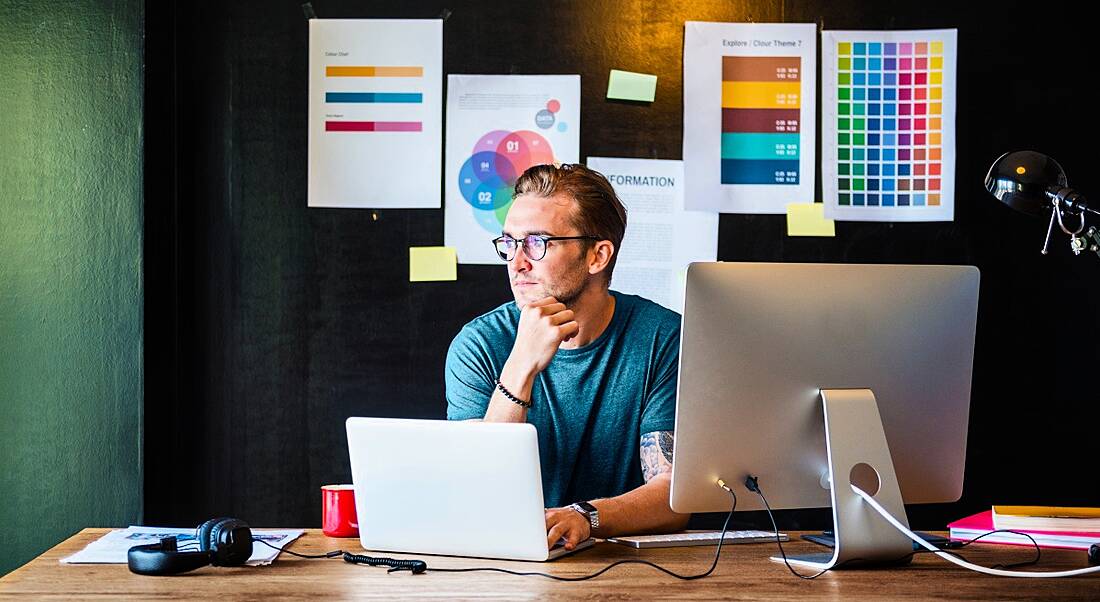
534,245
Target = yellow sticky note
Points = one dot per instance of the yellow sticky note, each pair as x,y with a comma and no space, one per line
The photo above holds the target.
626,85
432,264
808,219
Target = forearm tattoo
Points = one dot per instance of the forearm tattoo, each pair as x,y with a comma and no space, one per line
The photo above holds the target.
656,453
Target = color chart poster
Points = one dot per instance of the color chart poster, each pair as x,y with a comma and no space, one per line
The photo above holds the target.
375,113
888,137
497,127
749,116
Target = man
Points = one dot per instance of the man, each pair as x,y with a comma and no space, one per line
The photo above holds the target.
594,370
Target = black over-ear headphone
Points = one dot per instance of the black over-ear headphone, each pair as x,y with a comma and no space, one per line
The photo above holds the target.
222,542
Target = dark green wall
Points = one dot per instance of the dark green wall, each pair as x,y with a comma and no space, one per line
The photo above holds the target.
70,271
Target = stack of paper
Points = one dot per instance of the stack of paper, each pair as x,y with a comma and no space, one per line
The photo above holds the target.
970,527
112,547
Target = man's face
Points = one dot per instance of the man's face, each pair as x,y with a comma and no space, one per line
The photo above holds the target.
563,273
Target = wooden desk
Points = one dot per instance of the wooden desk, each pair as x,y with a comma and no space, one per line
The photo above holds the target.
744,572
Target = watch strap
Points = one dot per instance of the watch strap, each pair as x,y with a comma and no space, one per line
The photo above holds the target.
588,511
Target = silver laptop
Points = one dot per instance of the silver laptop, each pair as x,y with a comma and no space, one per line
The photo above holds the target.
453,488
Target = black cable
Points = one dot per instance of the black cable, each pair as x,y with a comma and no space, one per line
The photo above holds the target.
752,484
195,546
958,544
419,566
714,564
332,554
414,566
1038,550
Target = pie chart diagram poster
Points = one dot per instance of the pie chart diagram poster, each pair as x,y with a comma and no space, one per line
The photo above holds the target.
497,127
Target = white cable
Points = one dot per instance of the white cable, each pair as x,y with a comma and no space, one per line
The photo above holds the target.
966,565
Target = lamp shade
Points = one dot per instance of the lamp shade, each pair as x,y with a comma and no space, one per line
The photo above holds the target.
1024,181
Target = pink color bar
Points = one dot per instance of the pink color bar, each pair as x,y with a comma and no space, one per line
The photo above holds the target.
373,126
397,126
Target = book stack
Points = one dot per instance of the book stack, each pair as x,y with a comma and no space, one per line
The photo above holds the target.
1050,526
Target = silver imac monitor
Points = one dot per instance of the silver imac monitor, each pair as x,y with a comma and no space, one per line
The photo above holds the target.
815,377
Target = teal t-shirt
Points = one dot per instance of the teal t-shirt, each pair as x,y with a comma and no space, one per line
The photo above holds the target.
591,405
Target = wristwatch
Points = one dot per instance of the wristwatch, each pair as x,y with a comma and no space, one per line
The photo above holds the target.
588,511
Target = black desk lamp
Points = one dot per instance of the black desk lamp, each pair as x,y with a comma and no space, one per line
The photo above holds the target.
1034,183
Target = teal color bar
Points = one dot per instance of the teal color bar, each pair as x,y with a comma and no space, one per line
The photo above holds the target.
759,146
414,97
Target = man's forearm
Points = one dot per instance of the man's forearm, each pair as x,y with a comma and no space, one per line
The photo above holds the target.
641,510
519,382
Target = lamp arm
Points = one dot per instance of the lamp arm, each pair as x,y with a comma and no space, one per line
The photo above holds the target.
1080,239
1070,200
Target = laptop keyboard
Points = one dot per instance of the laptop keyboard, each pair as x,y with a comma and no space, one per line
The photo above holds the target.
696,538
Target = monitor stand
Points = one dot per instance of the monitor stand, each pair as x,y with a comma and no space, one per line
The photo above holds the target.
858,455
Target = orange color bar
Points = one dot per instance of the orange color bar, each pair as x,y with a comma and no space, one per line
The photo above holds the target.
349,71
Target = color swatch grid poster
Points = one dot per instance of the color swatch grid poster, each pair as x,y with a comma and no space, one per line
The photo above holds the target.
888,137
749,116
497,127
375,113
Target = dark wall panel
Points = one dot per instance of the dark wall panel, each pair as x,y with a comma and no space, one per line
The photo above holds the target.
268,323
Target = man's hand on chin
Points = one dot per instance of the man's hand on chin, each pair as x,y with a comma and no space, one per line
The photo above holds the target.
567,523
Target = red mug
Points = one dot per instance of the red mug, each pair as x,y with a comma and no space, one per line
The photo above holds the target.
338,511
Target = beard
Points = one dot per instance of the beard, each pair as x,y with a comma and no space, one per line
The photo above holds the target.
566,289
568,296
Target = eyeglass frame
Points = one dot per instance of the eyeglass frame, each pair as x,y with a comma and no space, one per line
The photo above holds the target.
523,244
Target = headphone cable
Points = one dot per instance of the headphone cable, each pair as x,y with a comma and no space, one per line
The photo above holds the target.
417,567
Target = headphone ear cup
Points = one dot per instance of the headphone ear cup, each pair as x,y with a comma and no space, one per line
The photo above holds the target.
154,560
229,541
202,533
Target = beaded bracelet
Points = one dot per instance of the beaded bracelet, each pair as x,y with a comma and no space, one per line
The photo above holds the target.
513,398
